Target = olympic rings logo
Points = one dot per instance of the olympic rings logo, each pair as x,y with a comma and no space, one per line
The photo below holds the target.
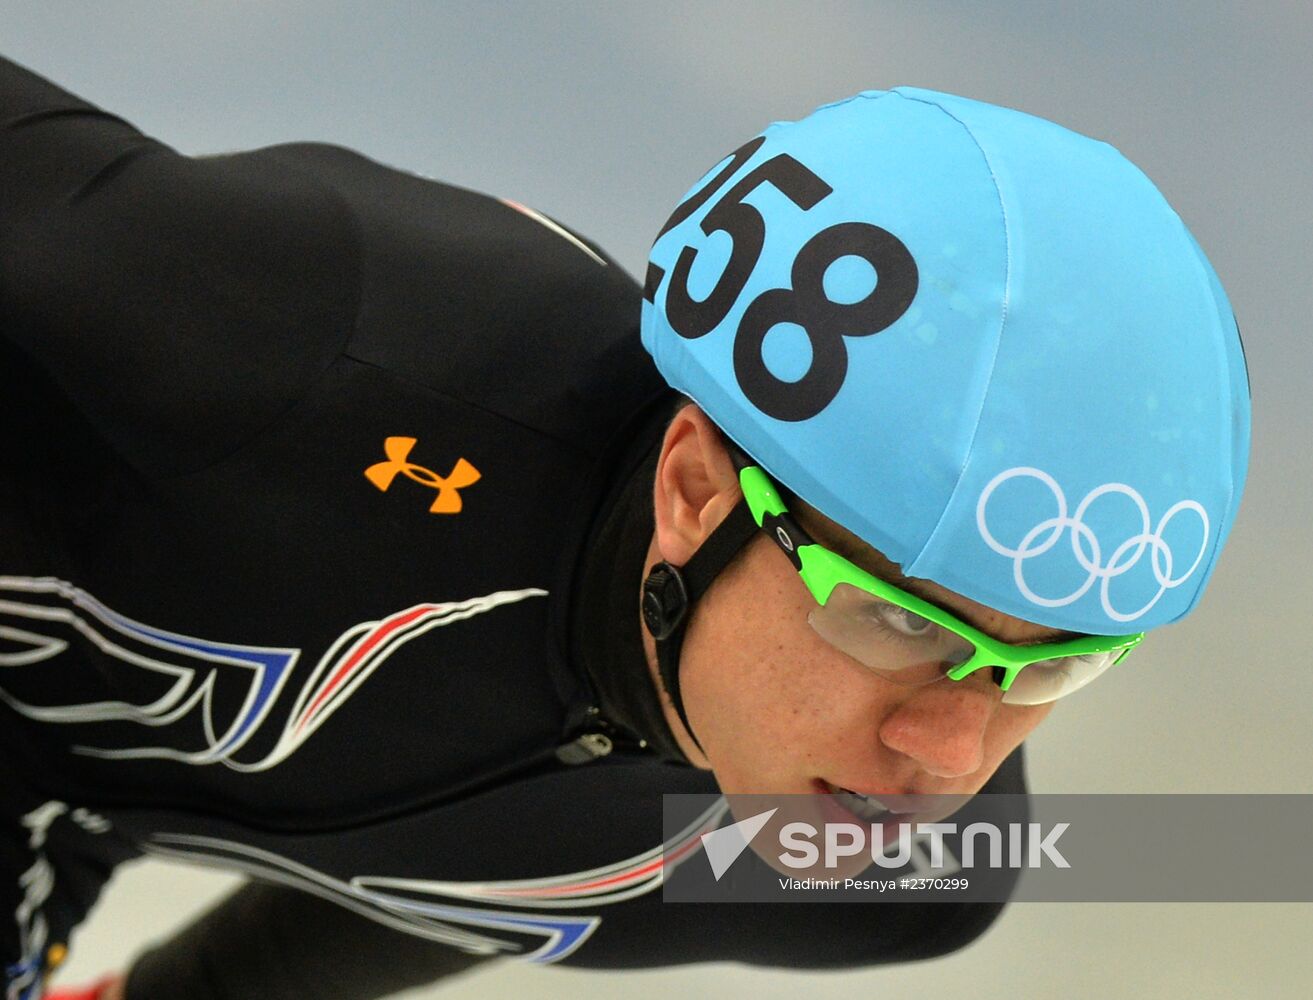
1085,546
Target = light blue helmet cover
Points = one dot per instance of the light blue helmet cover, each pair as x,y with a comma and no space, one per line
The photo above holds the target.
982,343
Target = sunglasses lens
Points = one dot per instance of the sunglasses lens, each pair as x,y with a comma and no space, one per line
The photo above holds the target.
1049,680
894,642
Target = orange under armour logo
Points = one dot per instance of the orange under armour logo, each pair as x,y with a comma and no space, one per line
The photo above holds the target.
397,450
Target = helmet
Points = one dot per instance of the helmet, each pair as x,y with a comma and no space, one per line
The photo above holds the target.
982,343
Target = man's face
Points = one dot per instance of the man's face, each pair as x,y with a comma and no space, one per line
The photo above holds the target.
779,710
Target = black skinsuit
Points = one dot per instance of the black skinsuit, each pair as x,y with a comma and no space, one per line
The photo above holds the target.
324,499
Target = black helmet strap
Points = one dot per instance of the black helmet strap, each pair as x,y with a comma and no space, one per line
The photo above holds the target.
669,593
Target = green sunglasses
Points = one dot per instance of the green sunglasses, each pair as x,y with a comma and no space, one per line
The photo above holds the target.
910,641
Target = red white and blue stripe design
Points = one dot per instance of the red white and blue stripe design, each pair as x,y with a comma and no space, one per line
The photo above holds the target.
538,930
40,617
